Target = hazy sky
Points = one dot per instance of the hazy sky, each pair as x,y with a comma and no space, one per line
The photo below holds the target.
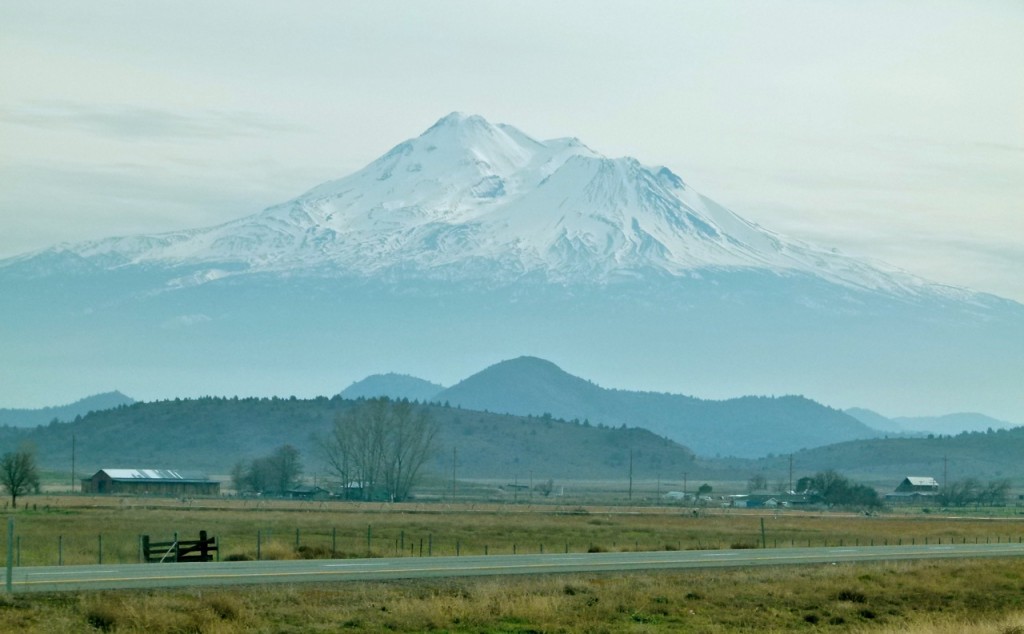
892,130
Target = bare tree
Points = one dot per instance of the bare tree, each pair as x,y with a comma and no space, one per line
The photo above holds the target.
19,474
545,488
380,446
274,474
996,492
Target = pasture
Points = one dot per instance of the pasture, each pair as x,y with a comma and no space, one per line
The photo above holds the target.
952,596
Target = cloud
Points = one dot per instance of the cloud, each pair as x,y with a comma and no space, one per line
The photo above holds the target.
135,122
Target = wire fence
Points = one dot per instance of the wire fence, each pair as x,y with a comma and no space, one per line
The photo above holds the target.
332,543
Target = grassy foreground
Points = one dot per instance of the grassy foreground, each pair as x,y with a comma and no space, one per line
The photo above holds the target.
914,596
941,596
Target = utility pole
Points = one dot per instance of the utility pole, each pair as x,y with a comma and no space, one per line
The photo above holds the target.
790,473
455,455
72,463
945,472
630,473
684,485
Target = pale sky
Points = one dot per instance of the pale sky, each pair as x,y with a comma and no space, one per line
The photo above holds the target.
891,130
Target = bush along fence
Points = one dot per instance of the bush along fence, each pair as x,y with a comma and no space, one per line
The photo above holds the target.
330,543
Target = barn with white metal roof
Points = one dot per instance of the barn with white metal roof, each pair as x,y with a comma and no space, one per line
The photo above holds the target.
149,482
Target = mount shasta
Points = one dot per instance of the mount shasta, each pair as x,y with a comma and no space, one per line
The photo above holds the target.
474,242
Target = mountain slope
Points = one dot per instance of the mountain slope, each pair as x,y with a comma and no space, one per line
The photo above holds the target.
81,407
469,200
393,386
474,241
955,423
744,427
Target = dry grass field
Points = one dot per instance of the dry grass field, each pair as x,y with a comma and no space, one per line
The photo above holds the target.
70,529
941,596
946,596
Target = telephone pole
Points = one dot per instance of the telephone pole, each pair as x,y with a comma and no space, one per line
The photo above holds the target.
630,473
455,454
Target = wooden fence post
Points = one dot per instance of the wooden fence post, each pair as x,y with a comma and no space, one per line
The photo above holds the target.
10,555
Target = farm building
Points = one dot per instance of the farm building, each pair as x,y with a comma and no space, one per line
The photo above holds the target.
914,489
307,492
149,482
912,484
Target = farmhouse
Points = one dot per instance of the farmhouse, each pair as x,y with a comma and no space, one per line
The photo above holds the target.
149,482
914,489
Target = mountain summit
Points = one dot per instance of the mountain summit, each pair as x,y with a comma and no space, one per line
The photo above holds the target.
474,241
470,200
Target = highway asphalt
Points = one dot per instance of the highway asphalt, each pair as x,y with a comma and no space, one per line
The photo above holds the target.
98,577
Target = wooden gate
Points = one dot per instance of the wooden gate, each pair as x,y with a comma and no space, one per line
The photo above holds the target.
201,549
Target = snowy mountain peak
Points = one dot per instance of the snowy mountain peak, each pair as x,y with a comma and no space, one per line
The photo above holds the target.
472,200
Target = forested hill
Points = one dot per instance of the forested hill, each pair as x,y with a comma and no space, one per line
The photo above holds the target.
212,434
983,455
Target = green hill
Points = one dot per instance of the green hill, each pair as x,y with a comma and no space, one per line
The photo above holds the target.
982,455
212,434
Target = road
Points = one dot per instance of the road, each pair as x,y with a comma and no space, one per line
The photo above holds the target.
97,577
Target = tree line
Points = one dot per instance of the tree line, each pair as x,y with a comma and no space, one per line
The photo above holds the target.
970,492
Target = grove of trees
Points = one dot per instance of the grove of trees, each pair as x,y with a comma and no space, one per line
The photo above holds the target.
972,492
833,489
378,447
274,474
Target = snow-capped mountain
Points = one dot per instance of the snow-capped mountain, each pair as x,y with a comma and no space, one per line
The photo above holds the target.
474,242
470,200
